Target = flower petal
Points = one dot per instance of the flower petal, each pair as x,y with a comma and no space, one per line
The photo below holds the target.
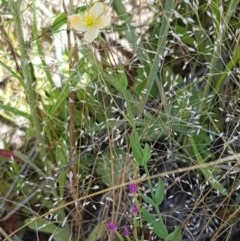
104,20
132,188
111,226
126,232
77,22
97,9
134,209
91,34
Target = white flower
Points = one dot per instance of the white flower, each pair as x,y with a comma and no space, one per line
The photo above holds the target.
97,17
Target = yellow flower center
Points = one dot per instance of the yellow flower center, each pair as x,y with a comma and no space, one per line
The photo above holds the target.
89,21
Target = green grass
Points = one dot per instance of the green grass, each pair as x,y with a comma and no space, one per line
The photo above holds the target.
155,95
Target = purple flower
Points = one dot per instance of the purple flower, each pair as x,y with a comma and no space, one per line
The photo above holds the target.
126,232
134,209
132,188
111,226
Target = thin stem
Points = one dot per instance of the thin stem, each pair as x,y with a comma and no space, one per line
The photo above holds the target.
29,81
39,46
71,97
163,33
221,23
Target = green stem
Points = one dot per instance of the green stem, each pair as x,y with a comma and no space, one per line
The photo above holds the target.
221,22
39,46
29,81
156,207
163,33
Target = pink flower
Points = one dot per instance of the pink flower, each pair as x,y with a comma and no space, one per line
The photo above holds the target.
132,188
111,226
134,209
126,232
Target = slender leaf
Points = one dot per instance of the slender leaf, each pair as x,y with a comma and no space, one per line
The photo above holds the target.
176,235
97,232
136,148
43,225
146,154
156,224
148,200
159,193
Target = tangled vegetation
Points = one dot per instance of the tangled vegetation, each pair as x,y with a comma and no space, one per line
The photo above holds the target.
126,130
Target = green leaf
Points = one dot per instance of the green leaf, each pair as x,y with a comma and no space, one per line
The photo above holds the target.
58,22
97,232
146,154
207,172
156,224
231,64
136,148
148,216
123,82
42,225
60,151
30,163
148,200
185,36
9,69
159,193
176,235
46,226
118,81
162,41
14,111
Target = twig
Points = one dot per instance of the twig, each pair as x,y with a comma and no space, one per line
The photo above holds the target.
71,97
